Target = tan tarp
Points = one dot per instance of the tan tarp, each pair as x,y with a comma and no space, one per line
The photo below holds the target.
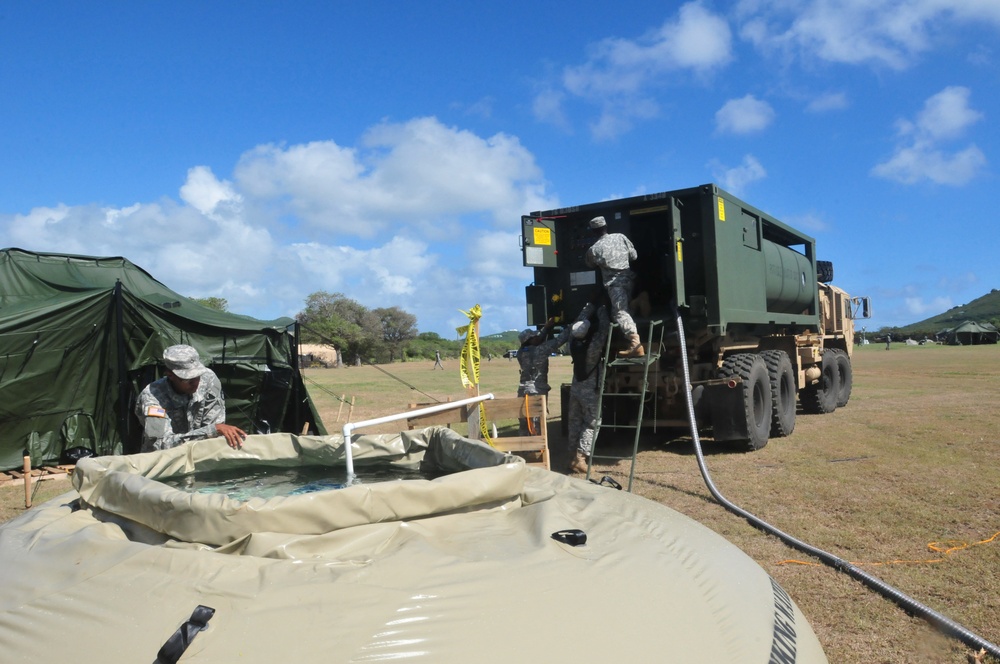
461,568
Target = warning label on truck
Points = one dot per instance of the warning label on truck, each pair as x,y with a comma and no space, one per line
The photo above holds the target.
542,236
722,209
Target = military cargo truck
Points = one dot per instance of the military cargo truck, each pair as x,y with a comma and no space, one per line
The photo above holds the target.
766,332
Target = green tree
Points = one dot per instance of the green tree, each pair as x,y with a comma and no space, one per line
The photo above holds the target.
398,327
350,326
217,303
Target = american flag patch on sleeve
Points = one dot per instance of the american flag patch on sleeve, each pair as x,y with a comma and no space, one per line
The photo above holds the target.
155,411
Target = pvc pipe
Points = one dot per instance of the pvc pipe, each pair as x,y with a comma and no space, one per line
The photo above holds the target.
352,426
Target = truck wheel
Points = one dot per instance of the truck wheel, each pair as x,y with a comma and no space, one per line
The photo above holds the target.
821,398
782,379
751,368
846,379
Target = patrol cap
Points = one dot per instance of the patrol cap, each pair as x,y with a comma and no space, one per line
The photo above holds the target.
525,335
183,360
580,329
598,222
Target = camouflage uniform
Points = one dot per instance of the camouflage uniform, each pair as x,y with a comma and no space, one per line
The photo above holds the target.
612,253
534,363
583,395
170,419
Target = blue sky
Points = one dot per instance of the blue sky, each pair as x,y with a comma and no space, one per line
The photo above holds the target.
261,151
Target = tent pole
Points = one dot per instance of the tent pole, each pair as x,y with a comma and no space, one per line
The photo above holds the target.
296,379
122,371
27,482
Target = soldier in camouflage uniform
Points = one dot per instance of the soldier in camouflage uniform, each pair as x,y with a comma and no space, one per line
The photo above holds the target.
186,404
587,349
533,358
612,253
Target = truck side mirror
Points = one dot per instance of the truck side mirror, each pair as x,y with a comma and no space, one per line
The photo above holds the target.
865,304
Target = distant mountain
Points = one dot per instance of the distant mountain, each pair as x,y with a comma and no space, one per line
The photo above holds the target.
985,309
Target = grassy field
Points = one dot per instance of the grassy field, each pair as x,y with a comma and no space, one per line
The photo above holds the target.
912,460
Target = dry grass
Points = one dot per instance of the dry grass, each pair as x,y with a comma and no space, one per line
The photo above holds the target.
911,460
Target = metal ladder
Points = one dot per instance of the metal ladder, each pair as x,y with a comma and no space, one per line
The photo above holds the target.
653,348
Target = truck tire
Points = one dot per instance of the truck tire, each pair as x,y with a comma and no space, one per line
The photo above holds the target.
846,378
783,392
824,271
821,398
752,370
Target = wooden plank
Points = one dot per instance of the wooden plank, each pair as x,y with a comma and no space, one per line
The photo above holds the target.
512,408
445,417
520,443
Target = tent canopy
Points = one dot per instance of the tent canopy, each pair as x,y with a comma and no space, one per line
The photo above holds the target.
81,336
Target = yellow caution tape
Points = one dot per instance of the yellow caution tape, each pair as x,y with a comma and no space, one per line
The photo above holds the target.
469,362
944,547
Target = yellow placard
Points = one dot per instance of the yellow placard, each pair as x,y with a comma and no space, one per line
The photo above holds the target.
722,210
680,252
543,236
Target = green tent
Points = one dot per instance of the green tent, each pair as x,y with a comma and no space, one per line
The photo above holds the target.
81,336
970,333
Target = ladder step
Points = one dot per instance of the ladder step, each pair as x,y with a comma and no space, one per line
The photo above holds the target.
642,386
634,361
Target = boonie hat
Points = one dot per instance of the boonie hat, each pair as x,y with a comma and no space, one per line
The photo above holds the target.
525,335
184,361
580,329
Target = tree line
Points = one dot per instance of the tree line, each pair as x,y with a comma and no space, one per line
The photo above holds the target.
371,336
377,336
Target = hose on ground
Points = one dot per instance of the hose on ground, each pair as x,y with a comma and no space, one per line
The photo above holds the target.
908,604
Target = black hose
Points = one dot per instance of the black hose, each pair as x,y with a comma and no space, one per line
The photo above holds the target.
945,624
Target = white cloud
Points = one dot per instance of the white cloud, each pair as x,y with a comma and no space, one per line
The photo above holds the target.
745,115
911,165
410,173
417,215
946,115
204,192
832,101
887,33
918,306
738,178
697,40
547,107
920,154
622,76
809,222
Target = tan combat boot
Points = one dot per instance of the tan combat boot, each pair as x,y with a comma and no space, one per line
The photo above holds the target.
634,348
578,464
